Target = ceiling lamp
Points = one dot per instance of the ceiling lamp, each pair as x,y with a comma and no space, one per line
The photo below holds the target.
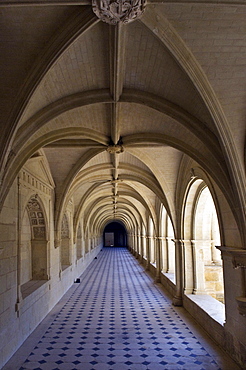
115,11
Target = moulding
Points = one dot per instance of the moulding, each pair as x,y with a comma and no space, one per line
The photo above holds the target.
34,182
241,301
177,301
238,255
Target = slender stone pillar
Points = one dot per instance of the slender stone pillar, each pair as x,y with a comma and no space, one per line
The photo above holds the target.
136,245
158,242
199,286
130,242
133,244
19,295
188,266
141,248
148,252
170,255
178,298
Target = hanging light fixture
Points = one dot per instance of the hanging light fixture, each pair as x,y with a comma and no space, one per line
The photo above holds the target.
116,11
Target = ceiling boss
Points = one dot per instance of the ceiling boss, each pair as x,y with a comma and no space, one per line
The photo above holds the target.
116,11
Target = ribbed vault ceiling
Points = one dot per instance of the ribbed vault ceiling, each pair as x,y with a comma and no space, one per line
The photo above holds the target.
74,88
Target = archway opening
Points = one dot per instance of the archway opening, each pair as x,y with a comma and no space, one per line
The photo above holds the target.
207,236
203,264
115,235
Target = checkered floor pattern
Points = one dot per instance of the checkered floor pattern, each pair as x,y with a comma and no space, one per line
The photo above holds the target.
117,318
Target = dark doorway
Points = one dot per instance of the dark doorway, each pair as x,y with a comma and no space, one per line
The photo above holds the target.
114,235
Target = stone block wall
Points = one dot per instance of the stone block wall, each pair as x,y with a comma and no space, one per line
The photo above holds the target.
20,313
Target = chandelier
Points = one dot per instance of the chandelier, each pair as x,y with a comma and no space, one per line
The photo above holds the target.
115,11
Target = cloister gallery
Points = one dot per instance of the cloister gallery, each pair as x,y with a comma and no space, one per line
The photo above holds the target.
137,122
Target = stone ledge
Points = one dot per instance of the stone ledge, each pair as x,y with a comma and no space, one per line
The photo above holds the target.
214,308
170,276
31,286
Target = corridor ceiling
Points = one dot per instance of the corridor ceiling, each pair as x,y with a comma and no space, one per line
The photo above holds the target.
115,110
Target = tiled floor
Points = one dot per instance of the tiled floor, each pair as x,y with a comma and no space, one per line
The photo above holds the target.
117,318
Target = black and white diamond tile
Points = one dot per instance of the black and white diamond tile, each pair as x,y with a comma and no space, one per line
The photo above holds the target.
118,319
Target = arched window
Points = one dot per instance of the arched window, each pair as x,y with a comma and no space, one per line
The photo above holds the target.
79,243
87,243
65,244
34,247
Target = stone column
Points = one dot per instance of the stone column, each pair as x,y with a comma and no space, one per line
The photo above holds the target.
178,298
170,255
215,254
134,244
199,278
148,252
164,254
141,237
188,263
158,245
137,245
18,267
130,242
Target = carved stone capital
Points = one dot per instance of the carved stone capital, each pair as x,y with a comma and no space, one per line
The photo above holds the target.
238,256
241,302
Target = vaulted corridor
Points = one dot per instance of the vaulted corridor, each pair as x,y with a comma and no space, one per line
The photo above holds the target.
122,124
117,318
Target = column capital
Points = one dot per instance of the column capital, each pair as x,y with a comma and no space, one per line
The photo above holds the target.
177,241
57,243
238,256
241,302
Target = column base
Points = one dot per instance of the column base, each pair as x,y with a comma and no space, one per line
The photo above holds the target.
157,279
177,301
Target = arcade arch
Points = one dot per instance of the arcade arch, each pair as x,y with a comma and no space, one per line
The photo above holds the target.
201,235
114,130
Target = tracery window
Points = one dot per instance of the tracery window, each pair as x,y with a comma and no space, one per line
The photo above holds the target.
34,247
65,244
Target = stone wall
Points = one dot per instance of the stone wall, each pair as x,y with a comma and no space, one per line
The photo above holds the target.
24,300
